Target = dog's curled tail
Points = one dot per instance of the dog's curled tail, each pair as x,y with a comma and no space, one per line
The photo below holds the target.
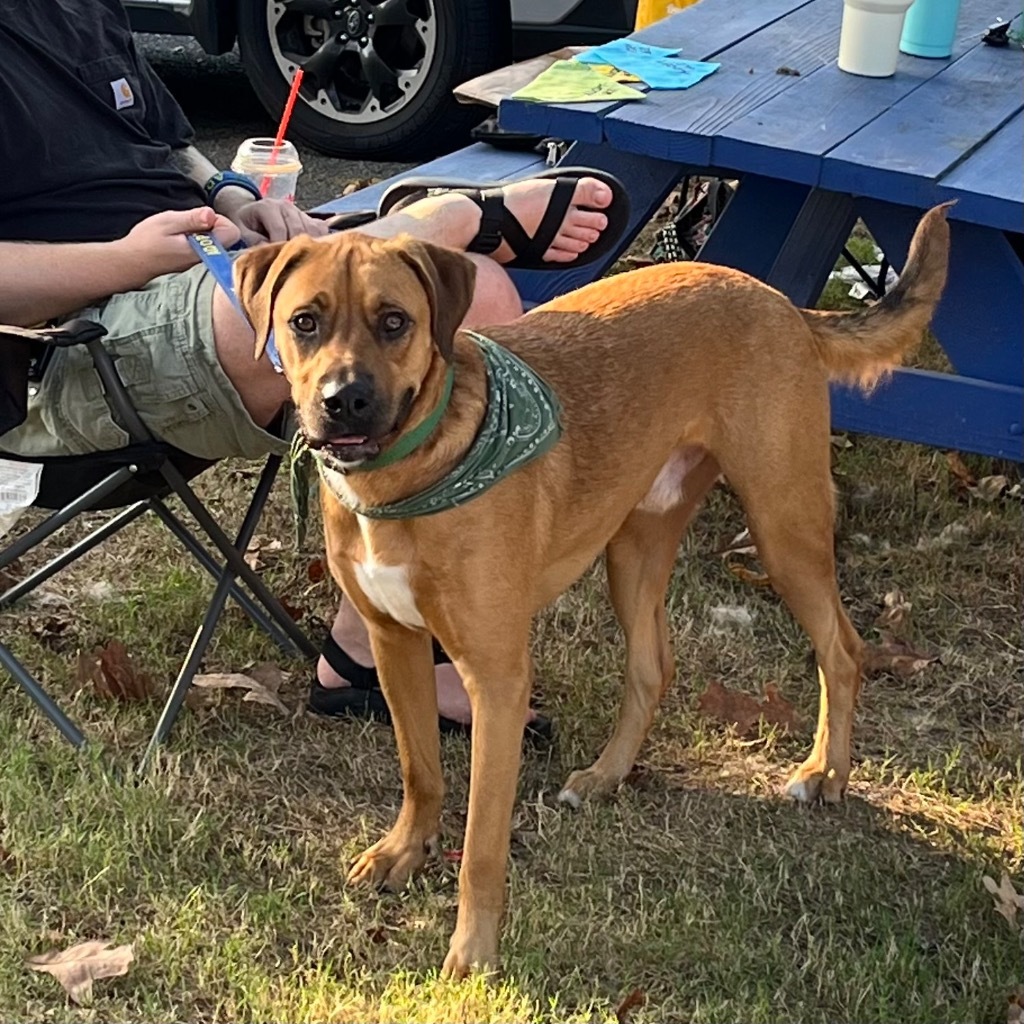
862,346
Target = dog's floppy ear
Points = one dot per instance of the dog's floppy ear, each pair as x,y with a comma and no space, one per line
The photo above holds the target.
447,278
259,274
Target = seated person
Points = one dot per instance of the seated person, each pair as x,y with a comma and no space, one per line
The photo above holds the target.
99,165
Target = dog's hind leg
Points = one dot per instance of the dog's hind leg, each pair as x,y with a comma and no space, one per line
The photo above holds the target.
790,512
640,558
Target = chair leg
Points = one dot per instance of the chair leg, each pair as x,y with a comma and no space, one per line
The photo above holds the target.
204,634
42,699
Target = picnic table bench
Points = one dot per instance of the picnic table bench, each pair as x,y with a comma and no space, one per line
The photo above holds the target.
815,149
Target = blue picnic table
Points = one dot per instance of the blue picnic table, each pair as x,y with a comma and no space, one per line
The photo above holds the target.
815,149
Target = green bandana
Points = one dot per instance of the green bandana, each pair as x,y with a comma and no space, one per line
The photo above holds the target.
521,423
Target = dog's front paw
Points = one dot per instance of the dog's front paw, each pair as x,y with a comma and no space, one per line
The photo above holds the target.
812,782
392,861
584,784
470,956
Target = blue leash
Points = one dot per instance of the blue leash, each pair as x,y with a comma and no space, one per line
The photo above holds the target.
218,262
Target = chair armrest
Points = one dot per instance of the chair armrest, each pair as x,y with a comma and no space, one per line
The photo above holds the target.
74,332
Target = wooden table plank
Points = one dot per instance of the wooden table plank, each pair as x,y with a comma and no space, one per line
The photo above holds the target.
789,135
989,185
701,32
937,409
902,155
681,125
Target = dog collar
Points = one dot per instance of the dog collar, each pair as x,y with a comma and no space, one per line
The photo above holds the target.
218,261
522,422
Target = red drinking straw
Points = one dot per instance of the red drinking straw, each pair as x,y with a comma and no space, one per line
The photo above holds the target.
293,94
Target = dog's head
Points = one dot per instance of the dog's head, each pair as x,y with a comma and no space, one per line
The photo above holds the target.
358,323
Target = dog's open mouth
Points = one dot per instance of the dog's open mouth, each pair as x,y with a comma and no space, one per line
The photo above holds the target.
354,448
349,448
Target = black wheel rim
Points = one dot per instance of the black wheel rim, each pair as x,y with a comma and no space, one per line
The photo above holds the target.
363,61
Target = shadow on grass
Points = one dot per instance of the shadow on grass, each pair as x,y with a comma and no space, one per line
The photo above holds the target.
226,866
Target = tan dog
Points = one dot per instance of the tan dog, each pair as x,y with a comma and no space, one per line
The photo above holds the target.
669,376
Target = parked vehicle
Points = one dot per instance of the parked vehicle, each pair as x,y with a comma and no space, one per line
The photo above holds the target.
378,74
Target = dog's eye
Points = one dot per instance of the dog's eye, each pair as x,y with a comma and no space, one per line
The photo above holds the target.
393,324
304,323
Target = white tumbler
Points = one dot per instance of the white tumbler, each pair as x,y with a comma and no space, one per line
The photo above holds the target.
869,42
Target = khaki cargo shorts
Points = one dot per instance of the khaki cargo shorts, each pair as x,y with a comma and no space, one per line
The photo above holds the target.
162,338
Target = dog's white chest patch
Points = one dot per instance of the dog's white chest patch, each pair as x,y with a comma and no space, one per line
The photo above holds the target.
387,588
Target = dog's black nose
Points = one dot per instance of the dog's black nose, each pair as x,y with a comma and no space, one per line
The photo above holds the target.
352,404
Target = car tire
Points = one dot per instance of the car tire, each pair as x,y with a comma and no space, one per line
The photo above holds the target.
449,42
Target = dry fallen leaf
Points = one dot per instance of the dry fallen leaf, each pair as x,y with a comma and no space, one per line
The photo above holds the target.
113,673
963,476
990,488
632,1002
744,711
293,611
1007,900
895,656
740,547
258,548
751,576
262,681
316,570
741,544
896,614
77,967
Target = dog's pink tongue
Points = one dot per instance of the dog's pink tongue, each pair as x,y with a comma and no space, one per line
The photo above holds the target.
349,439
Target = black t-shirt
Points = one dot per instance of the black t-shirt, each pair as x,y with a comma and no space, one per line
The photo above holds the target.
86,127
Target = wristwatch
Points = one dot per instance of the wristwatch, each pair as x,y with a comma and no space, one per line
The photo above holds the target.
224,178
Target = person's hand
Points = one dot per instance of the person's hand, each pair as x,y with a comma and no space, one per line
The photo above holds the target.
157,245
274,220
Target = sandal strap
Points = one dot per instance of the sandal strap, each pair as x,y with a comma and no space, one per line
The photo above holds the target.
532,248
492,219
361,677
364,677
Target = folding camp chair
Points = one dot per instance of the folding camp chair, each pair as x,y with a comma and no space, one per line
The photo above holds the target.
135,479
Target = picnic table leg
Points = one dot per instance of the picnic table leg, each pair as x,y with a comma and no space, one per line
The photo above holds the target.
786,234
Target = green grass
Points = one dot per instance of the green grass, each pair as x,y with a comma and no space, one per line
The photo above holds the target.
696,883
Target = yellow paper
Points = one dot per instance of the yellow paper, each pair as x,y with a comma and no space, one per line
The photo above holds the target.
568,81
614,73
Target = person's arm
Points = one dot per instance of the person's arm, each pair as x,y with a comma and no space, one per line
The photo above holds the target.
41,281
259,220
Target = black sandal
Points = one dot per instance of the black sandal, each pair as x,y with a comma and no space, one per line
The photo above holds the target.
498,224
363,697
